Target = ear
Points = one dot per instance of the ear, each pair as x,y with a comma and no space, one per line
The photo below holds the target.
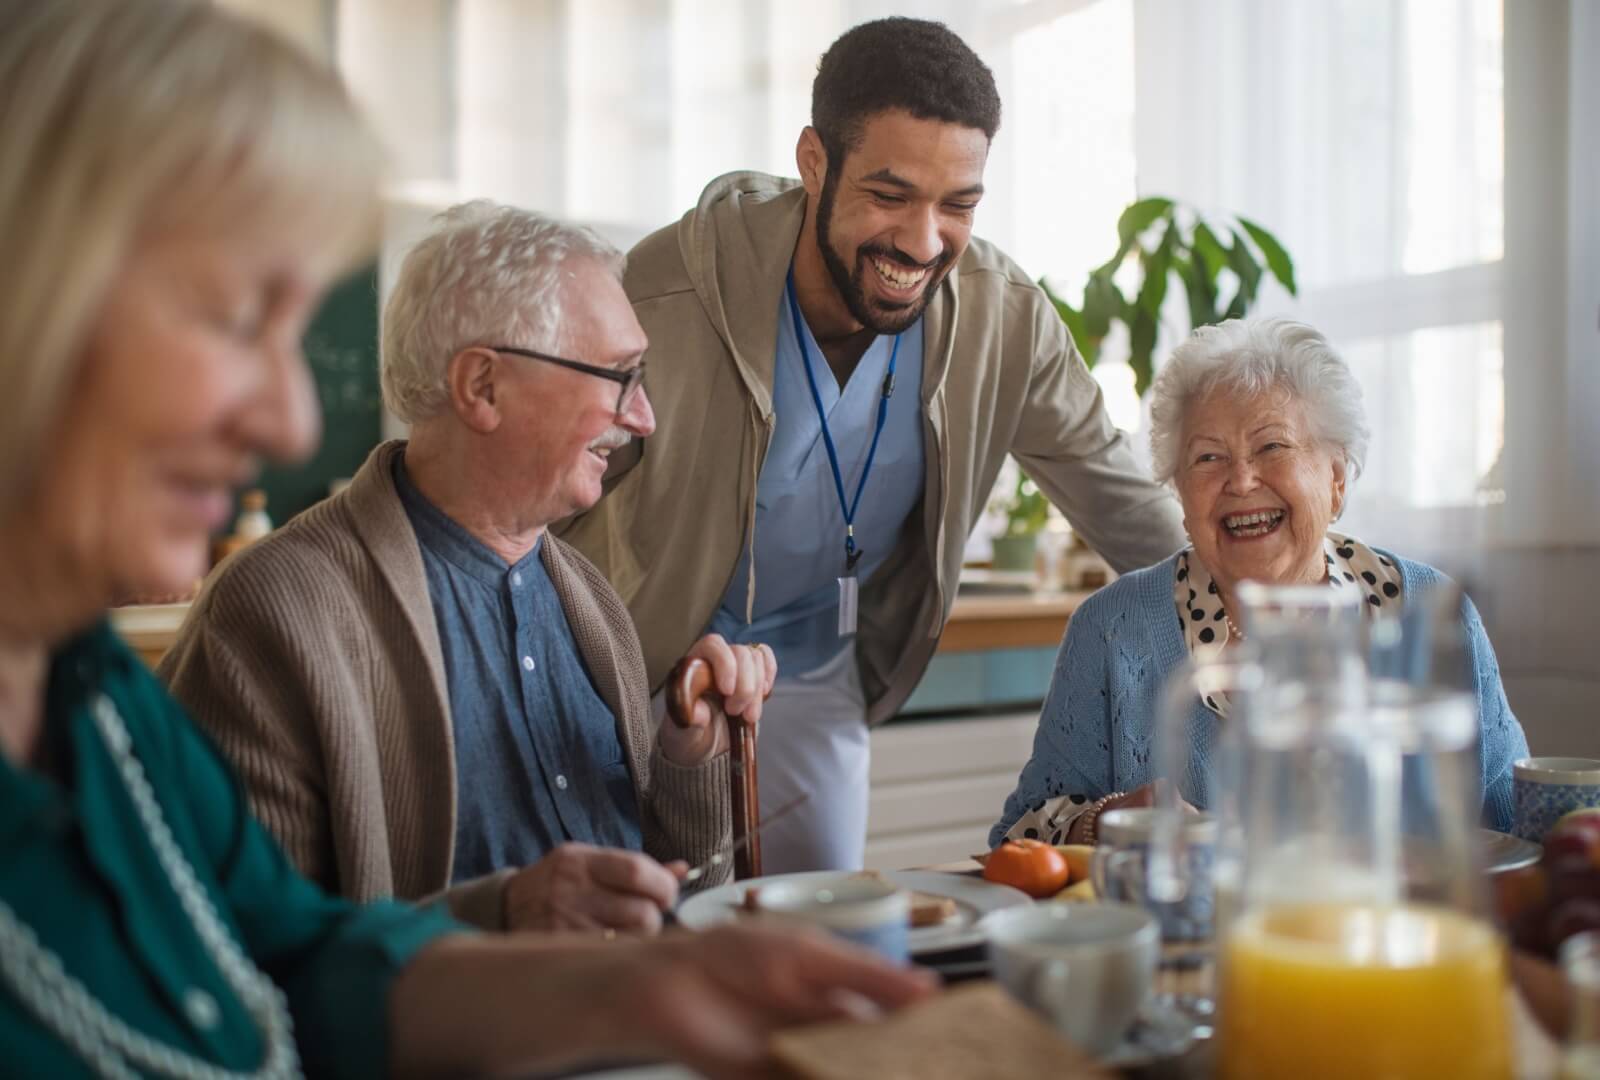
812,161
1340,467
471,377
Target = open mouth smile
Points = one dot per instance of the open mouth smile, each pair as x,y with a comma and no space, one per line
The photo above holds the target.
898,277
1256,523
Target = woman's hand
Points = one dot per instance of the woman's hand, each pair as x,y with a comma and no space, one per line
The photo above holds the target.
1143,795
502,1003
713,1000
743,675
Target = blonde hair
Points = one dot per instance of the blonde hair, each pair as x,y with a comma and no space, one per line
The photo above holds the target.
121,117
487,274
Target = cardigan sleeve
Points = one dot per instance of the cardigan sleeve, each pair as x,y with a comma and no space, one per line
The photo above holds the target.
230,669
1501,740
1072,747
691,813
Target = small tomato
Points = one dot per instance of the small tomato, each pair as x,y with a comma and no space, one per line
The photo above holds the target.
1030,865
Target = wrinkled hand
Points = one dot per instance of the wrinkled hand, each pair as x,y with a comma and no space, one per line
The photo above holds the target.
712,1000
743,675
580,887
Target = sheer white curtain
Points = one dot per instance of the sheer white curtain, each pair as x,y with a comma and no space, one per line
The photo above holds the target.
1368,135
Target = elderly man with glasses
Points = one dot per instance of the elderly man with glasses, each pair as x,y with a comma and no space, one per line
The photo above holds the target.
424,692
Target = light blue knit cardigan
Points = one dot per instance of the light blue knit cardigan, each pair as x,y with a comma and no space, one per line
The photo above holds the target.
1097,730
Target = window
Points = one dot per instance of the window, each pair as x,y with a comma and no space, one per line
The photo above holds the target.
1370,137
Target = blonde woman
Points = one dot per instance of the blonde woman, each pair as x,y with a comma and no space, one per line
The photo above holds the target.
176,191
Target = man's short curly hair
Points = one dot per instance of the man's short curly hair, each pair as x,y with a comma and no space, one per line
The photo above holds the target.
899,63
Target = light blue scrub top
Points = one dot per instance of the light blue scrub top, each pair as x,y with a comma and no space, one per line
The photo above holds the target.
799,530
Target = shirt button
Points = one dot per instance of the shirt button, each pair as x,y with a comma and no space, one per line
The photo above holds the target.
561,782
516,577
201,1008
527,663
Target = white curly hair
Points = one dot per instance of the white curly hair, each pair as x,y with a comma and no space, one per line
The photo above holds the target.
488,274
1254,356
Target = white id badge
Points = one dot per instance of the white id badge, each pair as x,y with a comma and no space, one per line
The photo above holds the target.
848,588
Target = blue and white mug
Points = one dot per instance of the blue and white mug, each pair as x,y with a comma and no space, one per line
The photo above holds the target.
868,911
1543,789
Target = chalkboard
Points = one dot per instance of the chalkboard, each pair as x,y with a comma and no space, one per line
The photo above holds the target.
341,346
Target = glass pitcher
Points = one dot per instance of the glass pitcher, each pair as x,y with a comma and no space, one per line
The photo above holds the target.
1352,933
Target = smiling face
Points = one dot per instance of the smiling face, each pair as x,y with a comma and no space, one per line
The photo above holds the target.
192,374
1258,489
894,216
562,423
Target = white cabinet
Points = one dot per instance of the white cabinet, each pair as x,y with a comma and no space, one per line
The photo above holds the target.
938,785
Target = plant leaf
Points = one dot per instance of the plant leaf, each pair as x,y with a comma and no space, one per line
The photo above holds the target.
1088,347
1153,292
1142,340
1102,302
1278,260
1202,291
1209,249
1131,223
1244,266
1139,217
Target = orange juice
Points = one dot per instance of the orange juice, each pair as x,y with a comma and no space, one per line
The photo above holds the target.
1355,990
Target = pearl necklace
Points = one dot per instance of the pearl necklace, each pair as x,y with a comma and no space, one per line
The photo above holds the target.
36,977
1232,629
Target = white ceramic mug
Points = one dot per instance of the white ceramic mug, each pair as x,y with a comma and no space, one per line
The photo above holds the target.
871,912
1086,968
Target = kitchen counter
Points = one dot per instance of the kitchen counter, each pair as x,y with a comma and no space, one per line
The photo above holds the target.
151,629
1009,621
1001,621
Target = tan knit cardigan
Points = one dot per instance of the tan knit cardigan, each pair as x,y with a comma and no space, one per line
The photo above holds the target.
313,659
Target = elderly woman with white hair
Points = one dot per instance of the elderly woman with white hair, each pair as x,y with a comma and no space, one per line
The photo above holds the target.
1259,426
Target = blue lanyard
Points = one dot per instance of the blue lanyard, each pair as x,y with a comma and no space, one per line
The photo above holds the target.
851,553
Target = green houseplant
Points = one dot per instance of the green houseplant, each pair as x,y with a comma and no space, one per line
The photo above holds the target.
1219,263
1026,510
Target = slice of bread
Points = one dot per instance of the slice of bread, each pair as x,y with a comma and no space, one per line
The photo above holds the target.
973,1032
926,908
929,910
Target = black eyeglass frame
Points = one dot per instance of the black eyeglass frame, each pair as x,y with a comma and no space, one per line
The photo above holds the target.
628,382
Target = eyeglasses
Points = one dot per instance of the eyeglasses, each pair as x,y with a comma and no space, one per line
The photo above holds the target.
628,381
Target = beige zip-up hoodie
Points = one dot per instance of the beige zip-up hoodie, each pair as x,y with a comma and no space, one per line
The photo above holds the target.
1000,374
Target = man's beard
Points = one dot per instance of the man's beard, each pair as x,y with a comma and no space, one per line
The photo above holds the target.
849,283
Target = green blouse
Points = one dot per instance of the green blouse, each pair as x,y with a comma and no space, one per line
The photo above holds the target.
76,866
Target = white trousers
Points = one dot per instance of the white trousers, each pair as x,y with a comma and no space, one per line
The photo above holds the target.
814,738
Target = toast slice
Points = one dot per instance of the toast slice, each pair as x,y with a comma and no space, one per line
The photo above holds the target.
926,908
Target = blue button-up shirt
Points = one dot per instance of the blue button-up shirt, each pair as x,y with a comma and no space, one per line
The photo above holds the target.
799,534
539,760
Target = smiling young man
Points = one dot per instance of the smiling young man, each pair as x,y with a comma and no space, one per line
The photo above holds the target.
840,369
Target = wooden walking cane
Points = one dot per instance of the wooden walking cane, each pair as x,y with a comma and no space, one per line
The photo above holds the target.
691,680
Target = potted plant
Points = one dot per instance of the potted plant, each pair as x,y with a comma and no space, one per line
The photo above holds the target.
1165,238
1026,510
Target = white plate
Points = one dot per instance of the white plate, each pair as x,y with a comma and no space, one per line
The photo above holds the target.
974,898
